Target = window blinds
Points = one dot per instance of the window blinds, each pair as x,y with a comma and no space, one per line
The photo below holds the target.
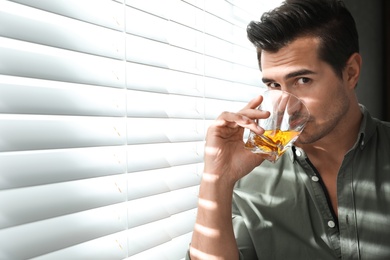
103,110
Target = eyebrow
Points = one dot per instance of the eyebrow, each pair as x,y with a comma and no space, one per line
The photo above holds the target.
293,74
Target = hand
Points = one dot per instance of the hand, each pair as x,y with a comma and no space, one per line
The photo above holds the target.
225,154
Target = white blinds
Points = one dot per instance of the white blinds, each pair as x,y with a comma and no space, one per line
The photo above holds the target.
103,110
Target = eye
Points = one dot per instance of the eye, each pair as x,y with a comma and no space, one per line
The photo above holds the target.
273,85
303,81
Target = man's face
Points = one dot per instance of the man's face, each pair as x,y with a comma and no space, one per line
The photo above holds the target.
297,69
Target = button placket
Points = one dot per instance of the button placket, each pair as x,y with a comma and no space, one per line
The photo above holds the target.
319,196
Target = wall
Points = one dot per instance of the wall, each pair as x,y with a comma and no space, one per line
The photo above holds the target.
369,21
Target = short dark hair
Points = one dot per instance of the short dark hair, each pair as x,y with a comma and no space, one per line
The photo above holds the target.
328,20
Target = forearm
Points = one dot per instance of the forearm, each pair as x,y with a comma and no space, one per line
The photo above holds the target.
213,236
226,161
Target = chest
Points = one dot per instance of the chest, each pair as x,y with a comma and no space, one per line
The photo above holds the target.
359,194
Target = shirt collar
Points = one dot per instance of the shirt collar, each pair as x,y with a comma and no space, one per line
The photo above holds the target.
366,130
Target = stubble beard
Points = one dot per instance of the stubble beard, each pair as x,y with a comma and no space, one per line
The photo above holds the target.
316,131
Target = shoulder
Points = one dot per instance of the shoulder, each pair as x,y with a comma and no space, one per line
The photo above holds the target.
373,128
383,128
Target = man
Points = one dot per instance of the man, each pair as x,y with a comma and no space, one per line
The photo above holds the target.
328,197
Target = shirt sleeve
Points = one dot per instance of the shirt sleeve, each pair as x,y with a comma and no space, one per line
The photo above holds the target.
243,239
188,255
241,256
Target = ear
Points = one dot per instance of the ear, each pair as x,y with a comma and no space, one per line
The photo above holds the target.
352,70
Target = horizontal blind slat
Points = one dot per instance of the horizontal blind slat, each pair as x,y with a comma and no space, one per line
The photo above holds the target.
33,25
163,55
154,182
24,205
60,165
147,104
59,98
189,15
156,105
112,247
61,232
218,89
161,130
220,69
174,249
155,208
160,8
106,13
154,156
214,107
255,7
25,59
217,48
154,79
159,232
20,133
144,24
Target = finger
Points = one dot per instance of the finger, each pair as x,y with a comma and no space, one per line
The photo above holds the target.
252,110
254,103
234,120
255,113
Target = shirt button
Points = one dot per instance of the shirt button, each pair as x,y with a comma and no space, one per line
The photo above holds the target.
298,152
315,178
331,224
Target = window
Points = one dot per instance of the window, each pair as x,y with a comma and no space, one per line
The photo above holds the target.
103,110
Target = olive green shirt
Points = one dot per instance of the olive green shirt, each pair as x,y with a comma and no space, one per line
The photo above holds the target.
282,211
